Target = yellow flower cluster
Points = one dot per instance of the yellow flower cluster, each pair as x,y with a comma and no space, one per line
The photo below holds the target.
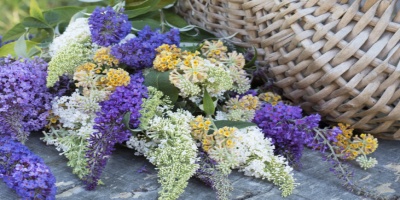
247,102
86,67
116,77
221,138
167,58
200,127
104,57
352,147
193,68
86,76
235,59
270,97
214,49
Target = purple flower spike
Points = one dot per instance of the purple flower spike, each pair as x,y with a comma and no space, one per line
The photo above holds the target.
25,172
24,97
287,128
108,27
109,127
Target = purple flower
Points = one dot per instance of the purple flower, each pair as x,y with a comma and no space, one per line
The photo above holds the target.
108,27
109,127
24,97
287,128
139,52
25,172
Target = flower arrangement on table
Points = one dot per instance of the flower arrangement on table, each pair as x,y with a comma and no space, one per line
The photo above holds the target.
190,111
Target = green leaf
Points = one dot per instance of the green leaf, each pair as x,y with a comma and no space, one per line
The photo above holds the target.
20,47
174,19
35,11
160,80
64,13
253,60
164,3
34,23
33,52
132,5
136,12
139,24
237,124
51,17
208,103
15,32
8,49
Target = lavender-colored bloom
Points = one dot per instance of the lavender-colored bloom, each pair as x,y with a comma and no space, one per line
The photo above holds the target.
108,27
109,127
25,172
287,128
24,98
139,52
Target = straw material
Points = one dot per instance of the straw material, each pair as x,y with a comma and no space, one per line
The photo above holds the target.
334,57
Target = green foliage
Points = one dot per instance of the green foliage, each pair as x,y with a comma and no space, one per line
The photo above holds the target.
208,104
160,81
237,124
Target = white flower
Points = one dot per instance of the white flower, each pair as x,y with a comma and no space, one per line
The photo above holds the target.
76,32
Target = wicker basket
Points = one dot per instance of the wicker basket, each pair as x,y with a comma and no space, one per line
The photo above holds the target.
334,57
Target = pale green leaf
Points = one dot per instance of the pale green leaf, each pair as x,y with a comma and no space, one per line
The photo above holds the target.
20,47
8,49
237,124
35,11
208,104
160,80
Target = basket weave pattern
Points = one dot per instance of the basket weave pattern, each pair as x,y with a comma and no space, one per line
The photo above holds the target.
334,57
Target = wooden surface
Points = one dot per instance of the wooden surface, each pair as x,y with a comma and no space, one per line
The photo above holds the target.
122,181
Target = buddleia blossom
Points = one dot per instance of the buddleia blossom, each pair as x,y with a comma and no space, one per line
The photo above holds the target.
209,174
66,61
214,49
24,99
139,52
74,120
217,145
175,155
152,106
270,97
356,147
168,57
241,108
76,32
108,26
287,128
218,81
256,158
109,129
25,172
103,57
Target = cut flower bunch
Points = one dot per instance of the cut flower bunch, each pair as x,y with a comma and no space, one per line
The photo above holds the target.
107,76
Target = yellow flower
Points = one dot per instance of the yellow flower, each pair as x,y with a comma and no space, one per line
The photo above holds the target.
104,57
117,77
270,97
214,49
229,143
167,57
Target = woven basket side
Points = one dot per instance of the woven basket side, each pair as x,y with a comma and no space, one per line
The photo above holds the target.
341,64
